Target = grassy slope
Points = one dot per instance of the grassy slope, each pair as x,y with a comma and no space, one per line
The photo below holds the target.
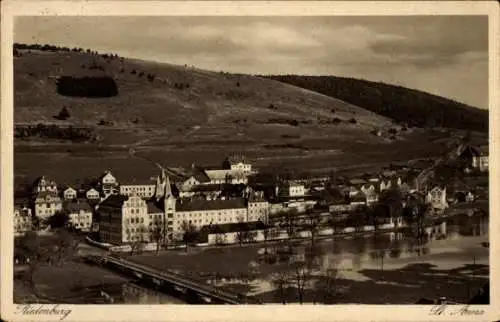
202,123
396,102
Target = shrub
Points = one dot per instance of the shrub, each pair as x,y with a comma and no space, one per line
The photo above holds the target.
337,120
393,131
63,114
353,121
333,110
133,72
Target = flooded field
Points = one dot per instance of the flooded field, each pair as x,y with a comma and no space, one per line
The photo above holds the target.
452,261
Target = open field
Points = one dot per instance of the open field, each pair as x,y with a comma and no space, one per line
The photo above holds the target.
212,115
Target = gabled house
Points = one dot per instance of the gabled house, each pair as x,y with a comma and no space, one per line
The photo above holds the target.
108,184
92,194
69,194
44,184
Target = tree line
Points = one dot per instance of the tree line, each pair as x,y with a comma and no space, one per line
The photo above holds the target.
52,131
407,106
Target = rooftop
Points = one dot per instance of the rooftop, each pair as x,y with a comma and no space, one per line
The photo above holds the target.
77,206
115,201
203,204
139,181
153,208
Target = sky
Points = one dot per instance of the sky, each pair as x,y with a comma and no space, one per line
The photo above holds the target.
442,55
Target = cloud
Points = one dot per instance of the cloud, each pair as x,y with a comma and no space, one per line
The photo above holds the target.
445,55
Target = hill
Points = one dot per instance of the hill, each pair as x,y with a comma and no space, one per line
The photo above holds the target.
141,113
404,105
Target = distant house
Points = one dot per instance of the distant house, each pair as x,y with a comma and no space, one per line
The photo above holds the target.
92,194
108,184
44,184
80,215
371,197
291,189
475,157
237,163
47,203
22,220
436,198
69,193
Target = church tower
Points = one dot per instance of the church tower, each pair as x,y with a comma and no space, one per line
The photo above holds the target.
160,186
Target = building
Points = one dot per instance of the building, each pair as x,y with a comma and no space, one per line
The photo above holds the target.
200,212
123,219
108,184
292,190
92,194
43,184
474,157
69,194
80,215
237,163
436,198
47,203
142,188
22,220
158,224
230,176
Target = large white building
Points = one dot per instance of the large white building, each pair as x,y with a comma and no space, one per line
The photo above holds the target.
144,188
126,219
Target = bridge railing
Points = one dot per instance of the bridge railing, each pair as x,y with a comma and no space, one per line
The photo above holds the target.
180,279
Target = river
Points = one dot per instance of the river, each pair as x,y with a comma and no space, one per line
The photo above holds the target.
450,244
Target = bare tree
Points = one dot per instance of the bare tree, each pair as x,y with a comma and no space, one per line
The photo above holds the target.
313,224
249,236
328,284
190,233
158,235
281,280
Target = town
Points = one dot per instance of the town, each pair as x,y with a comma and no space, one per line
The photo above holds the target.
196,201
237,204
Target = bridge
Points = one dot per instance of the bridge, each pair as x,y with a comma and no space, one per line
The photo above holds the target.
177,280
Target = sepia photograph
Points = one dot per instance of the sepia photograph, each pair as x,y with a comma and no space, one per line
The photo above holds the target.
299,160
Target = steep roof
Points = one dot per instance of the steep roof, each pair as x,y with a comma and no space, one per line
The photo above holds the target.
139,181
44,194
203,204
236,158
153,208
77,206
115,201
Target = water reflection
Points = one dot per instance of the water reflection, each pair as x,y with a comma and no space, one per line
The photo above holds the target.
132,293
358,252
